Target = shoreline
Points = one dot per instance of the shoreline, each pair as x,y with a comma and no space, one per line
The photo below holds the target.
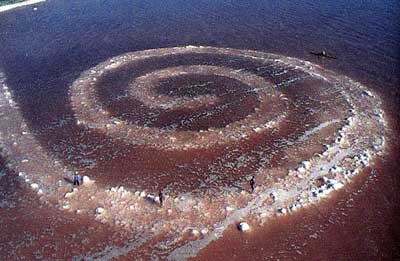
5,8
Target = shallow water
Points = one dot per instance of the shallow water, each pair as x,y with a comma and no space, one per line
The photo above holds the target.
43,52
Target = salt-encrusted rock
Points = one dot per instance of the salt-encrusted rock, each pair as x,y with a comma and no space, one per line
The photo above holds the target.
151,197
282,210
195,232
69,194
142,194
34,186
99,210
258,129
204,231
294,207
229,208
117,122
302,170
243,226
336,169
86,179
339,140
337,186
368,93
306,164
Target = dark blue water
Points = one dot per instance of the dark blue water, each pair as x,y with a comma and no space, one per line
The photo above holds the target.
42,52
64,37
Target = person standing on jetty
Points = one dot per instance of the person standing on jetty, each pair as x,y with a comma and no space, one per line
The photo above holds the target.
76,178
252,184
161,198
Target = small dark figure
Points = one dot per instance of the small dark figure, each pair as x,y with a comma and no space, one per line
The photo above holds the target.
252,184
161,197
76,178
323,54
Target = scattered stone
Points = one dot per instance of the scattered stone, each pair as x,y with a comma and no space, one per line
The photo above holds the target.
34,186
258,129
273,196
282,210
368,93
195,232
306,164
99,210
229,208
302,170
69,194
204,231
86,179
243,226
293,207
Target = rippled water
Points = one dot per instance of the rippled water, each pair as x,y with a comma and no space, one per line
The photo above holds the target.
43,52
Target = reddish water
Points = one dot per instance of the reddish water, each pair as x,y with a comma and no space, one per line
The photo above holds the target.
43,52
